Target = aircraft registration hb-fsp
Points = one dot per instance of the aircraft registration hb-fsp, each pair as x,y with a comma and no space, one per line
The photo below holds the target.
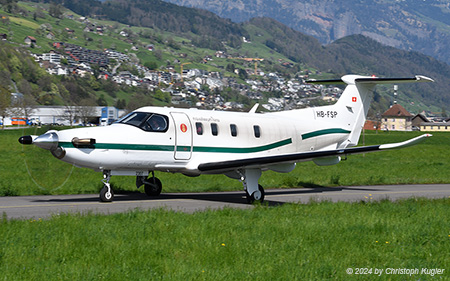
239,145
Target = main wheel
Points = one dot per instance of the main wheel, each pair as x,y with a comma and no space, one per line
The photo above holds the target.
154,187
105,195
251,197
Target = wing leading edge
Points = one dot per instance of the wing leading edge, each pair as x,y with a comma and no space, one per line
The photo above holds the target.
302,156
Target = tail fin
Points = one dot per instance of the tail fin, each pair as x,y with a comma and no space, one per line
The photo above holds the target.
354,103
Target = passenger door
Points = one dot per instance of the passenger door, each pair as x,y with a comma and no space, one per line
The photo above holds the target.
183,136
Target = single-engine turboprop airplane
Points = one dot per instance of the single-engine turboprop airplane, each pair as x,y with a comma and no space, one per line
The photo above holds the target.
239,145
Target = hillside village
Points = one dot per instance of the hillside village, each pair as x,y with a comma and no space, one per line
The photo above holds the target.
70,59
196,87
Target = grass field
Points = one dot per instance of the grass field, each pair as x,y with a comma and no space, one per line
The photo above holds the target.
315,241
28,170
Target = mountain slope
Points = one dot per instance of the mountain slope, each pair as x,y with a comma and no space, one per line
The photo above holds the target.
418,25
361,55
161,15
270,40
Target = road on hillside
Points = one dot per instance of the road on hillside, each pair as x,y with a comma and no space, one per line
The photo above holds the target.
35,207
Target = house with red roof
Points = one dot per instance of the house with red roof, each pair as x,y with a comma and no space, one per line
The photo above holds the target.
396,118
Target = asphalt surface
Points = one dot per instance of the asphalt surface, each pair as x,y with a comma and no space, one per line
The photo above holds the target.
35,207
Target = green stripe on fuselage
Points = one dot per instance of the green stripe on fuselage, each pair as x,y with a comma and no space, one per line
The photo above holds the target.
242,149
182,148
324,132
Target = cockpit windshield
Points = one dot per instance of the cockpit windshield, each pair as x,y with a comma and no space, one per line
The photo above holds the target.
151,122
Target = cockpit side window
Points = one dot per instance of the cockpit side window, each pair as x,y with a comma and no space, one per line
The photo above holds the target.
156,123
150,122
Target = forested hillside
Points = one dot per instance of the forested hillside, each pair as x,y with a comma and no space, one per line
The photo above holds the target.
20,73
193,41
164,16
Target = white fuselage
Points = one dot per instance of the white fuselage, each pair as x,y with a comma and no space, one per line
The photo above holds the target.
196,136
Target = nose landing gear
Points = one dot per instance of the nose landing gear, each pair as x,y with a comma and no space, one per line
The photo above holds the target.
106,194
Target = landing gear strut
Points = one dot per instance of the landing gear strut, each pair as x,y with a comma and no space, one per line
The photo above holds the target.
253,190
152,185
106,194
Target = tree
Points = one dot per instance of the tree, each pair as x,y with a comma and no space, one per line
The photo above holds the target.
22,106
86,111
152,65
243,74
121,104
69,112
55,10
101,101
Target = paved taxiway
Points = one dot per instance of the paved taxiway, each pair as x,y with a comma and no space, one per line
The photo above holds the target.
34,207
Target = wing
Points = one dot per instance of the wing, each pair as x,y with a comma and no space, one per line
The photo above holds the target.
259,162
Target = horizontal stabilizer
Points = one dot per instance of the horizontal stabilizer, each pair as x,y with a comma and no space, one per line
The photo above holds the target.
353,79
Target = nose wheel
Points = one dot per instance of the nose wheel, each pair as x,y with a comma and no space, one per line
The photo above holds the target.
106,193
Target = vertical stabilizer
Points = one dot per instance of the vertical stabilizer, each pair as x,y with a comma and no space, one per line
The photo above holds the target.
354,103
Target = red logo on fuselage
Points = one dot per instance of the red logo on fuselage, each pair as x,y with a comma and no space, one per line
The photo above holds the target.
183,128
354,99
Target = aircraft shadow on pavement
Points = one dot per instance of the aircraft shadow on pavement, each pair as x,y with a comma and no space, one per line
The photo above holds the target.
233,197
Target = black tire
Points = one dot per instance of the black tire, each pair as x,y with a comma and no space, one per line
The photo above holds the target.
251,199
154,187
106,196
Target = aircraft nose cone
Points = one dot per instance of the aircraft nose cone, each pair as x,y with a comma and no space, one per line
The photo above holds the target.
47,141
26,140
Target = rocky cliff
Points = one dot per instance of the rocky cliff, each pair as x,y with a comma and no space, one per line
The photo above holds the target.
418,25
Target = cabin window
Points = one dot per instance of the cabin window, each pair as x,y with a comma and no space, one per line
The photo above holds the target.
233,130
199,127
150,122
257,131
214,129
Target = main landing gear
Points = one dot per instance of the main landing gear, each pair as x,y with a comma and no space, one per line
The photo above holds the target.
253,190
152,186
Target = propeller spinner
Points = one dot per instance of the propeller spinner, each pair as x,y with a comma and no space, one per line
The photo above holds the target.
48,141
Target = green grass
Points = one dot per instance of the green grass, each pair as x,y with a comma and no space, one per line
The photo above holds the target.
315,241
28,170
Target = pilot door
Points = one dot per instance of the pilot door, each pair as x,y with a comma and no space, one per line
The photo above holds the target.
183,136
